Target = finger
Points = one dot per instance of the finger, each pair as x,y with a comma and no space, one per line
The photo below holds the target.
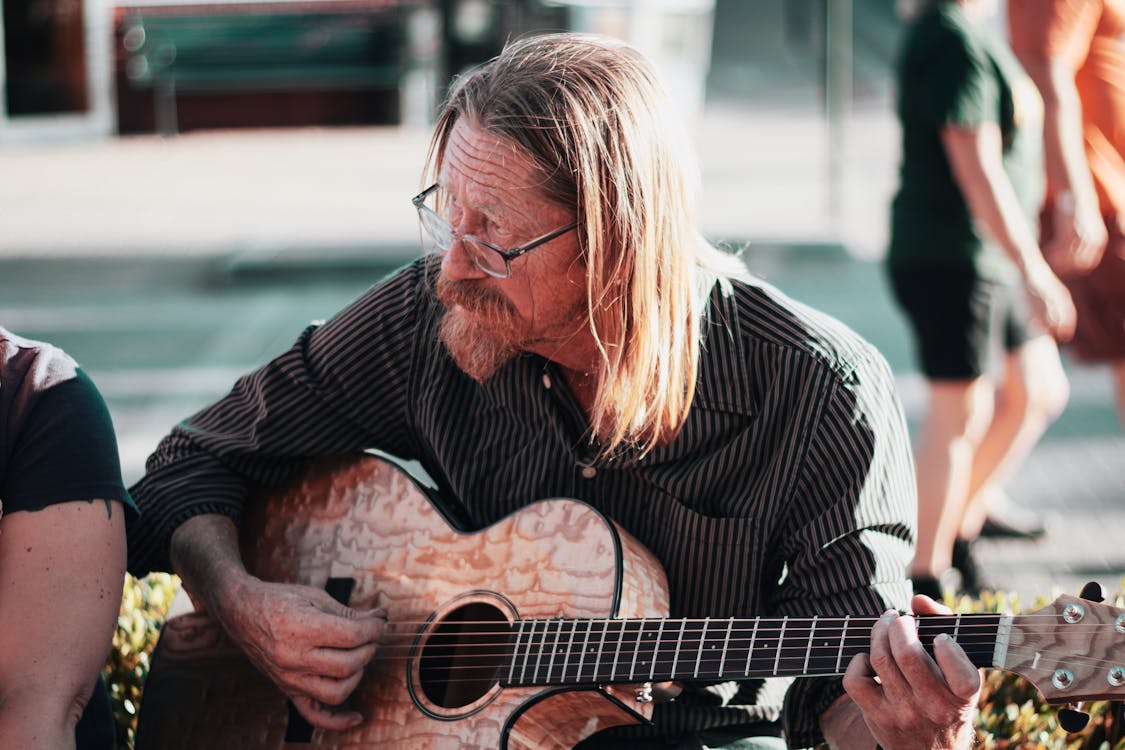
907,661
883,660
921,604
859,682
339,663
918,669
340,626
326,690
326,717
962,677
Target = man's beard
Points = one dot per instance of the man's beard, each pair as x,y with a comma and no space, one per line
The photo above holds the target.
483,343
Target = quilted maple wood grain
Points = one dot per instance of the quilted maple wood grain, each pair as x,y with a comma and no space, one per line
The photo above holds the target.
364,519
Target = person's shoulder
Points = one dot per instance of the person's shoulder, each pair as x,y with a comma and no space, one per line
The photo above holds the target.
768,316
26,364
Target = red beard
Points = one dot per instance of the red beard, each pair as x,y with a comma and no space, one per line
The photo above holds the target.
481,336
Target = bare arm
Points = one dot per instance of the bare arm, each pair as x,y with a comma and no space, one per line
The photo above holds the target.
61,575
1079,235
975,158
312,647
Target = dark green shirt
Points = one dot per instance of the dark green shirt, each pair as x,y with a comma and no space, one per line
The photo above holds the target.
954,72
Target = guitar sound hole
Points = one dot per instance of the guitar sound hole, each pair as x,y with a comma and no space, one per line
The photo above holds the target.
463,653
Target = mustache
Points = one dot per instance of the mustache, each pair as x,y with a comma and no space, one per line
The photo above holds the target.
473,297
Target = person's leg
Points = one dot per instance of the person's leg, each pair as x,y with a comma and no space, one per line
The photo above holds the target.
1033,392
958,415
957,322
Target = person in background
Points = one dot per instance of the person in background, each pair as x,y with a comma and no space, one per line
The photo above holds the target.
966,269
62,550
1074,50
572,334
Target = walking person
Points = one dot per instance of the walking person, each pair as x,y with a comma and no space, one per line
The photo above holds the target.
967,271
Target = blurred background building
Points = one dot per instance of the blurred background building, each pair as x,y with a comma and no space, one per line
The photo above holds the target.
99,67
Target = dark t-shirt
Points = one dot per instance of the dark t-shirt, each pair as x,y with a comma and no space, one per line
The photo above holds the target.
56,445
954,72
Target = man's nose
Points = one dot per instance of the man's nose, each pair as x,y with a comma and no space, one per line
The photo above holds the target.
458,265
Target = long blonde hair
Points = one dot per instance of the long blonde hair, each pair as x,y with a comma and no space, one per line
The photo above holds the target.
592,115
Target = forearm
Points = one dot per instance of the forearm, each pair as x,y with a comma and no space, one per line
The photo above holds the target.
975,158
1063,148
205,554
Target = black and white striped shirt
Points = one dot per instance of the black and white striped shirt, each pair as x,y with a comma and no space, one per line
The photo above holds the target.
790,490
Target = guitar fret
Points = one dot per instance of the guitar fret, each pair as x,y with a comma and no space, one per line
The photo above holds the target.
726,646
676,652
515,654
617,653
569,650
554,648
699,651
750,650
843,639
780,641
656,648
539,652
585,645
601,650
957,628
636,651
808,651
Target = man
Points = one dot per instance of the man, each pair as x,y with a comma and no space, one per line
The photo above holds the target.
1075,53
575,336
62,550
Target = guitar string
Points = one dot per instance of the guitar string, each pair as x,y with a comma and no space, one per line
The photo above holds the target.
607,674
733,653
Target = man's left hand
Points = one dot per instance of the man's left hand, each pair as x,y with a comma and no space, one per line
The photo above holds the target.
908,700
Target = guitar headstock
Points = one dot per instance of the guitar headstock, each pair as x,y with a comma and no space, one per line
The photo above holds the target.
1071,650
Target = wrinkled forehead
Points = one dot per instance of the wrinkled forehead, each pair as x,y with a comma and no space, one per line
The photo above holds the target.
489,169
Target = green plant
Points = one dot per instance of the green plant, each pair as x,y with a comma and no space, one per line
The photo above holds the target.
144,606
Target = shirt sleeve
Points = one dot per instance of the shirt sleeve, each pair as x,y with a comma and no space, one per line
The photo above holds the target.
1053,29
342,387
65,449
854,522
959,83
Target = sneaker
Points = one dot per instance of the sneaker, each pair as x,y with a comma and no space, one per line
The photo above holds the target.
1010,521
966,564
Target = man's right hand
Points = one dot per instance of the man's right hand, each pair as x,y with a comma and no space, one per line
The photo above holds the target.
311,646
1078,237
1051,304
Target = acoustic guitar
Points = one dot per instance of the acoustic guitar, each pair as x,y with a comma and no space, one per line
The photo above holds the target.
533,633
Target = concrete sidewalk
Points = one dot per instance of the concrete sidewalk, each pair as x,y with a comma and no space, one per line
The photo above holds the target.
765,176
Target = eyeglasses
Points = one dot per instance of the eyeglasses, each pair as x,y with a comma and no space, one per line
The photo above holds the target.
493,260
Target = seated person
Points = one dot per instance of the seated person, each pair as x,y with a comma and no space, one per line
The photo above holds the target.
62,550
573,335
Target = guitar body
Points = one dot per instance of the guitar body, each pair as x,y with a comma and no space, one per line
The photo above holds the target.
366,520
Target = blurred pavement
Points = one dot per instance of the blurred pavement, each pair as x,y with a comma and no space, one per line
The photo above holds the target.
169,266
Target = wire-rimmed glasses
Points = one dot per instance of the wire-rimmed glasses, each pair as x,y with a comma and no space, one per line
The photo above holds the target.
493,260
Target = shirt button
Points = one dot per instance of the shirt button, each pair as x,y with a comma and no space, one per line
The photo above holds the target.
589,472
546,381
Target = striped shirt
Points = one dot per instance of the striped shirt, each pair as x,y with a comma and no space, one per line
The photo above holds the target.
789,491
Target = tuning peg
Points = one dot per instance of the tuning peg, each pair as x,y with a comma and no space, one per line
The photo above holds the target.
1092,592
1072,720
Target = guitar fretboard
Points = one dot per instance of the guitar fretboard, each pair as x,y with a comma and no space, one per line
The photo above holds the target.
596,651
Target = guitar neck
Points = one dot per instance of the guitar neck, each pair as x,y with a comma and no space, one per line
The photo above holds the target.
597,652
